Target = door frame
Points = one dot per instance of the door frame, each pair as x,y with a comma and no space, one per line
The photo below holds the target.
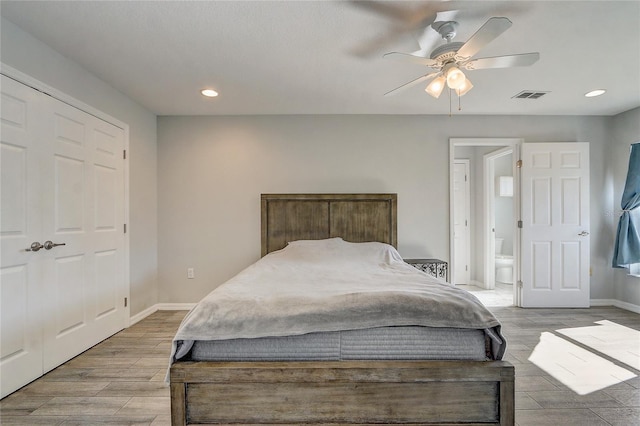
27,80
515,144
489,191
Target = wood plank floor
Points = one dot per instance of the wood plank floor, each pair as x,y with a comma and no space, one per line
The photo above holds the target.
121,380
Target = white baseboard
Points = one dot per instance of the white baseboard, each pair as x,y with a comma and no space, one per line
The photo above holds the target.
617,303
175,306
628,306
160,307
602,302
142,315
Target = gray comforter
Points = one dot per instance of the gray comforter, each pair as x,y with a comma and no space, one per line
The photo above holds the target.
331,285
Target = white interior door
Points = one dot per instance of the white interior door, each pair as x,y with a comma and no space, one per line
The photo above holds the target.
555,233
21,313
461,217
83,183
63,184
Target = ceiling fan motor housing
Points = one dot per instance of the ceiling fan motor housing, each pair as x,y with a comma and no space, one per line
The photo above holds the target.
446,52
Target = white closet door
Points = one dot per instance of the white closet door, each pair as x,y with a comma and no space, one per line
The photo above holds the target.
21,310
62,183
84,190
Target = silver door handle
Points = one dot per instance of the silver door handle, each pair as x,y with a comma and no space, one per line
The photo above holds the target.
48,245
582,234
35,246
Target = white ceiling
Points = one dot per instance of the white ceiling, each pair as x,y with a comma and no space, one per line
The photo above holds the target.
325,57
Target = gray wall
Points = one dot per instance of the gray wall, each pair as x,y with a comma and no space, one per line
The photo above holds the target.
30,56
625,131
212,171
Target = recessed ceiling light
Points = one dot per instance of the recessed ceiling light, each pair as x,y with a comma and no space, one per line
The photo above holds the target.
593,93
209,93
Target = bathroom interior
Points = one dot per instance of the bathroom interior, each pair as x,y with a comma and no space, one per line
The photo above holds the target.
495,163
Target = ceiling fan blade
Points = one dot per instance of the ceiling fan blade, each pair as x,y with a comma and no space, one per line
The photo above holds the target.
411,58
403,22
373,46
411,83
486,34
507,61
427,37
410,17
385,10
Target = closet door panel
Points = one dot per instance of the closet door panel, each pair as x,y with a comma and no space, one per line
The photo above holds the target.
21,314
85,276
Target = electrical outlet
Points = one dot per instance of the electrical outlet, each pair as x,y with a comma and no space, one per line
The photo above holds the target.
190,273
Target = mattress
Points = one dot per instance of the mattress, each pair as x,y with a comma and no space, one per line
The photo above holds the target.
381,343
336,300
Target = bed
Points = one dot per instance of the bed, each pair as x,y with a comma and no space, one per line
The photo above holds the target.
240,373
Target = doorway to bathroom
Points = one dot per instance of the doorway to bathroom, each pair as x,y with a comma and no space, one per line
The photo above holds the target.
493,242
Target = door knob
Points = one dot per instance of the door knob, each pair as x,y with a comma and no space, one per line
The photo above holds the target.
582,234
48,245
35,246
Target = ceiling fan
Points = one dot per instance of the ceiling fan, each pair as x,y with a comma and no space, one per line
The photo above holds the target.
402,21
452,57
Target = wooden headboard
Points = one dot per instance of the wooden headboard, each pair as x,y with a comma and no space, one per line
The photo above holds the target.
354,217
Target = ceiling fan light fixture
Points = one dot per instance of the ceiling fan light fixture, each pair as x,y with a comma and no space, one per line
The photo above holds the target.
455,78
465,88
436,86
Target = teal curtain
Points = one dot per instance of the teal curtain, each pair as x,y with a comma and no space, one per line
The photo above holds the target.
627,248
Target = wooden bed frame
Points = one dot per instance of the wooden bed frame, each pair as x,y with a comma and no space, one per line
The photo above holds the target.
339,392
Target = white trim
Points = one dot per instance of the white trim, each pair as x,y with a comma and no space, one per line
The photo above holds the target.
452,252
489,233
175,306
627,306
142,315
160,307
617,303
602,302
127,223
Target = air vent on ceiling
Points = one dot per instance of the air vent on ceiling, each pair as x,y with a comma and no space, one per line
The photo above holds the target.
529,94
